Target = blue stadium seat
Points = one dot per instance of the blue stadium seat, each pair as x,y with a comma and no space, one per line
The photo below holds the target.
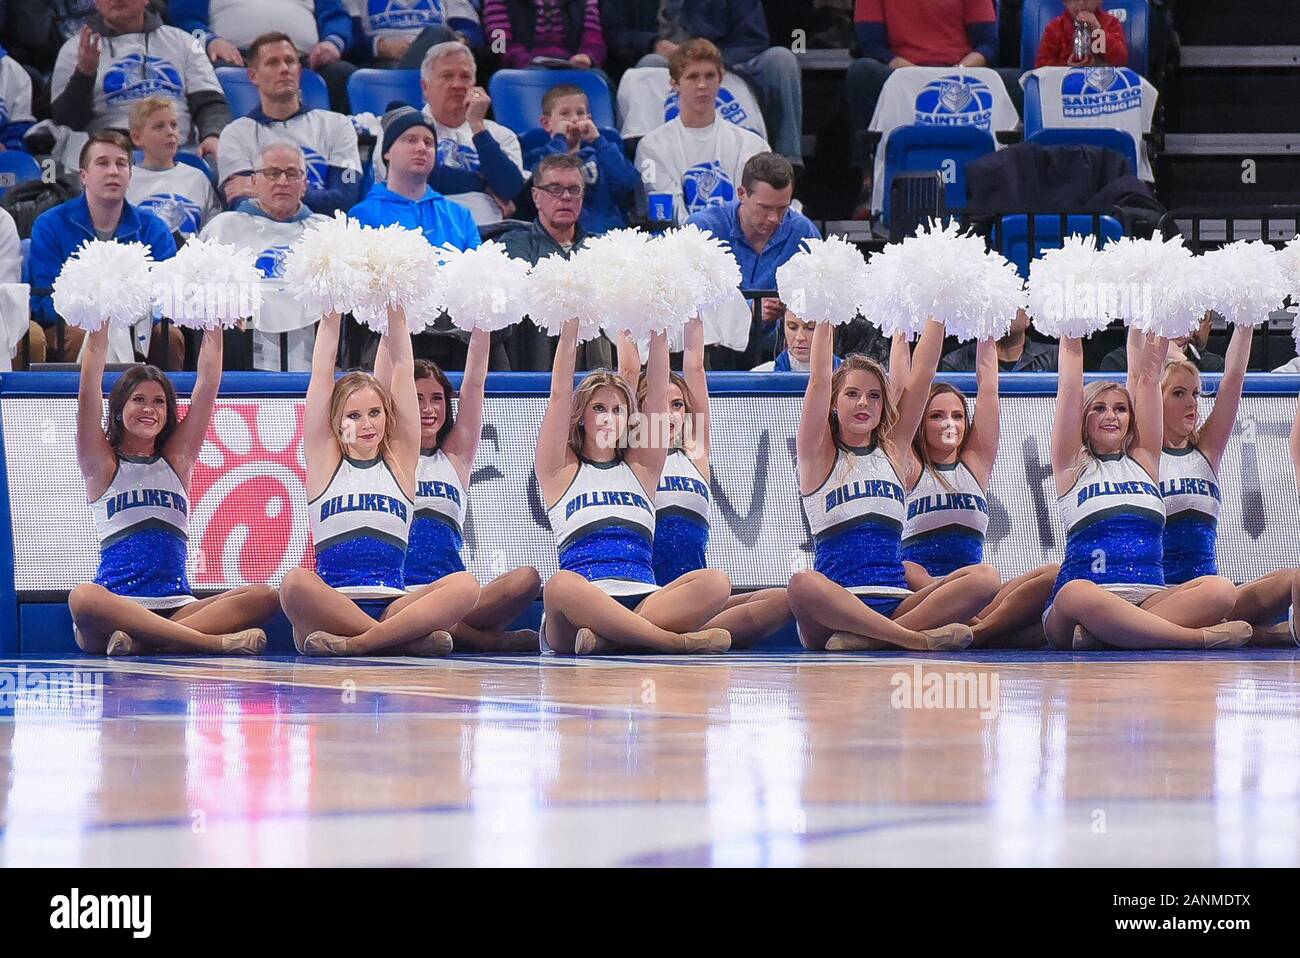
17,167
189,159
1010,234
942,149
1135,15
1110,138
243,98
517,95
370,91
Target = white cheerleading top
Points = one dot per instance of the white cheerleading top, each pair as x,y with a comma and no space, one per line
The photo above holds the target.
1109,485
604,526
932,506
1188,483
360,525
438,490
683,490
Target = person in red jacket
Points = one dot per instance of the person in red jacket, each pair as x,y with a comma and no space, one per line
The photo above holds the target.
1056,49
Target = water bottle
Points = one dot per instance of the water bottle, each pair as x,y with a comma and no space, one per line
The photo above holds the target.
1082,42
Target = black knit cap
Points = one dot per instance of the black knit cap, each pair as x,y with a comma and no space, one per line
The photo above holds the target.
400,118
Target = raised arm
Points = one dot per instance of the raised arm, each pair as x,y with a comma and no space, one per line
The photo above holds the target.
553,437
1223,417
1134,347
94,454
1067,422
462,442
384,364
986,427
1148,414
320,444
629,361
183,447
900,364
814,445
698,382
406,404
647,458
916,394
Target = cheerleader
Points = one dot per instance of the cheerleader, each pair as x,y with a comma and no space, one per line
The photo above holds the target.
1189,483
599,487
362,446
947,470
1111,589
850,482
137,474
682,499
448,444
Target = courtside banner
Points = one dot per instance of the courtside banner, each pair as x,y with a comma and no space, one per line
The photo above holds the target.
249,520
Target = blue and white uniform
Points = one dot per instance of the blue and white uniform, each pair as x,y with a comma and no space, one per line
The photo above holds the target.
856,517
1114,520
946,524
142,521
681,519
1191,493
360,525
604,528
436,531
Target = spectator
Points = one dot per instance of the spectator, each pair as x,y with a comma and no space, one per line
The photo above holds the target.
649,32
479,163
397,33
1056,49
328,140
11,271
319,30
125,53
102,212
409,149
612,180
15,103
546,32
762,231
37,29
797,336
1017,353
1192,348
696,156
895,34
178,194
270,221
558,184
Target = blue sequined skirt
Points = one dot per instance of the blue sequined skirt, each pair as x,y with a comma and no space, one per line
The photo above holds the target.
867,554
680,545
1190,547
146,564
1125,548
362,562
433,551
614,552
943,551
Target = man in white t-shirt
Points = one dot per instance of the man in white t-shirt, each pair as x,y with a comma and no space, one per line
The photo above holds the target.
179,194
480,165
124,54
272,219
327,139
697,156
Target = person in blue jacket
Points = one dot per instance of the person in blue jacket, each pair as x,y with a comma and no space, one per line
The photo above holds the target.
611,178
409,150
101,212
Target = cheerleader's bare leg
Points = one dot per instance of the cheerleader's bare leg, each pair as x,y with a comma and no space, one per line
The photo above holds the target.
1265,601
823,608
98,613
487,628
753,616
1112,620
1014,619
572,603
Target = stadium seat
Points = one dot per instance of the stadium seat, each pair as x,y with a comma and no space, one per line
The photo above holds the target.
370,91
517,95
17,167
1033,107
1010,234
189,159
940,149
243,98
1110,138
1135,15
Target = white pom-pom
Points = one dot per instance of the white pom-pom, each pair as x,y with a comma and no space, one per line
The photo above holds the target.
484,288
1291,268
104,282
619,264
714,273
328,268
401,268
1062,290
822,283
562,289
1245,281
207,285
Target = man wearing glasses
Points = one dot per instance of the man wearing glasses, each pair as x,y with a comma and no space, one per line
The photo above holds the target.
270,221
327,140
558,185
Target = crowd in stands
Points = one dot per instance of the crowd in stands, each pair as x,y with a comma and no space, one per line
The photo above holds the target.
130,101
